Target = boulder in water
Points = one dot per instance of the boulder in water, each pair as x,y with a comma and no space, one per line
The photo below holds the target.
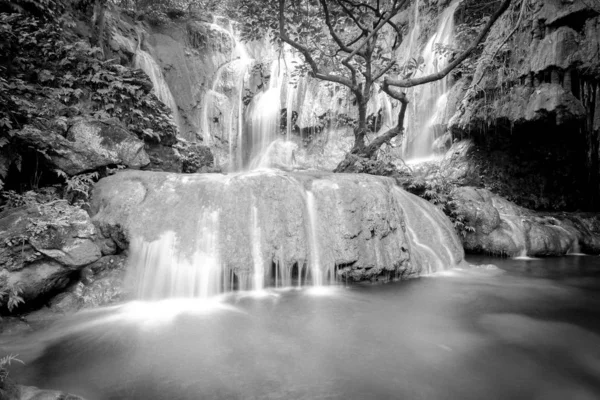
201,234
503,228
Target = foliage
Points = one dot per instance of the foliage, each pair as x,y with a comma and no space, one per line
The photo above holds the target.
13,199
78,186
160,12
98,293
51,70
195,158
10,297
436,189
5,362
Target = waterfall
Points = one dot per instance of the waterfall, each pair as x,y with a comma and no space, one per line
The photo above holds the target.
427,115
158,268
264,115
200,235
146,63
223,104
315,257
258,280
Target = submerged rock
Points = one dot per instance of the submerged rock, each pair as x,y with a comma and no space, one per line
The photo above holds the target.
269,228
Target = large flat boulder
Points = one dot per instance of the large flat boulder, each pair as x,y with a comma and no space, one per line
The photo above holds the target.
357,226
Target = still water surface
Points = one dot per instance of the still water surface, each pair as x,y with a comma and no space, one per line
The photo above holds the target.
528,330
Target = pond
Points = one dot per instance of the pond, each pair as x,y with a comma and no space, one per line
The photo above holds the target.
526,329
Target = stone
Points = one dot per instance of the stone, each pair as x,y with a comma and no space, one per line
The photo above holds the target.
33,393
163,158
365,225
42,246
89,145
503,228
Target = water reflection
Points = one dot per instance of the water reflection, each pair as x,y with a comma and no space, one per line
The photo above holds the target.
525,330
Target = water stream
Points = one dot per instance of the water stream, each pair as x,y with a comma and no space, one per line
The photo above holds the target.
146,63
427,114
529,330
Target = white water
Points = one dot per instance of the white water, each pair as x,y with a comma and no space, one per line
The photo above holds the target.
223,106
315,261
264,116
258,280
426,117
146,63
164,268
158,269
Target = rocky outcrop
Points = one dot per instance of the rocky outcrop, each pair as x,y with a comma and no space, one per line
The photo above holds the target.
534,95
42,246
362,225
11,391
500,227
87,146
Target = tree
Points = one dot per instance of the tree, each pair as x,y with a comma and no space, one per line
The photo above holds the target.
351,43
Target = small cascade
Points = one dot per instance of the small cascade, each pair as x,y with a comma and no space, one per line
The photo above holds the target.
223,105
195,273
269,228
426,117
146,63
315,257
258,280
264,115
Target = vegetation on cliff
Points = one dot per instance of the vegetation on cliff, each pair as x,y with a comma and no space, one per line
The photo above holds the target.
50,77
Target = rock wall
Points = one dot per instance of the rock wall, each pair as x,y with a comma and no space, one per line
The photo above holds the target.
534,95
502,228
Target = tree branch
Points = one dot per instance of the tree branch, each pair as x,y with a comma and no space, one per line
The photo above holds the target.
393,12
318,73
370,150
384,71
410,82
334,35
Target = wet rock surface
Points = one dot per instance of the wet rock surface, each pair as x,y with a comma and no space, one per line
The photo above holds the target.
364,225
503,228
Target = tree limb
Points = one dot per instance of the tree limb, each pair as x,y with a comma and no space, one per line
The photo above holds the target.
370,150
318,73
393,12
410,82
384,71
329,24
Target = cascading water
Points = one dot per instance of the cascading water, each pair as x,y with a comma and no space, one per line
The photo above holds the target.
264,118
268,228
223,107
264,228
315,257
427,115
146,63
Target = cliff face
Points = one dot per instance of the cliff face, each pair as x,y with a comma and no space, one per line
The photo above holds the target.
534,97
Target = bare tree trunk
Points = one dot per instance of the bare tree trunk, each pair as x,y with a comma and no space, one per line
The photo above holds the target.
360,132
397,130
368,152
